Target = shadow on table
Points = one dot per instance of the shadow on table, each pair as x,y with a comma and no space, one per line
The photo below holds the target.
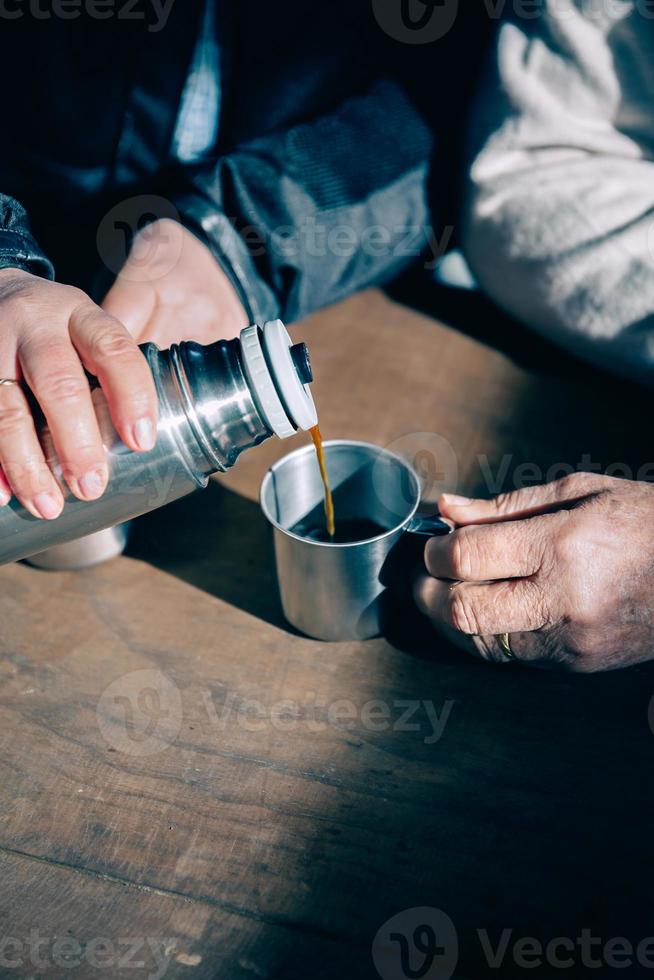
217,541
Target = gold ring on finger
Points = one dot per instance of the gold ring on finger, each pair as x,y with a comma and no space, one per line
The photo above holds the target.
504,640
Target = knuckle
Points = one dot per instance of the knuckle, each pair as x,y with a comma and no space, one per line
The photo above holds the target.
73,297
22,312
585,607
13,417
565,542
580,592
463,616
112,344
34,303
462,553
27,475
62,388
80,457
19,288
577,483
573,480
504,502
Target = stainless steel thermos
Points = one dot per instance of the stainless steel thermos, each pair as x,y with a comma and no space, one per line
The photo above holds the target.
215,402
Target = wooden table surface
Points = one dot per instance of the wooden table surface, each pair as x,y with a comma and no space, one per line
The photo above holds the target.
191,789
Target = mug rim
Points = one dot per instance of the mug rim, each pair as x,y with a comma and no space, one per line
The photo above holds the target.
303,450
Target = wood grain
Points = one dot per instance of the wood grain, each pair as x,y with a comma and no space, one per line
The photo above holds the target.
278,816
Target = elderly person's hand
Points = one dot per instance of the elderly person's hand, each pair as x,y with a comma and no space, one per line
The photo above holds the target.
566,569
171,288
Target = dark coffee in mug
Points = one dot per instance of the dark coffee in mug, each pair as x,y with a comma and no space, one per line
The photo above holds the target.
346,531
340,593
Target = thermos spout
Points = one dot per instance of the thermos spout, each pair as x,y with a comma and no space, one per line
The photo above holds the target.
302,363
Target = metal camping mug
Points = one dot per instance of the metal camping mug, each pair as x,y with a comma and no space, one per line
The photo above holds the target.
334,591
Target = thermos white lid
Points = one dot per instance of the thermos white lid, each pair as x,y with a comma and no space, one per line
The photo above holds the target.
285,403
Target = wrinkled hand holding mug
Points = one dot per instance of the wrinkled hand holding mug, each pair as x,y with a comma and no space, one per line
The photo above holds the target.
566,569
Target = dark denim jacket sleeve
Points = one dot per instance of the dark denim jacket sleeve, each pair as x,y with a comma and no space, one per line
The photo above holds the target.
302,218
18,248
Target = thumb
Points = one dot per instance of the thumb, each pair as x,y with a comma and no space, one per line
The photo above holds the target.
518,504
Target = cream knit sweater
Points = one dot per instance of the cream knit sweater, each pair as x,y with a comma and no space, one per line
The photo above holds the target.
559,217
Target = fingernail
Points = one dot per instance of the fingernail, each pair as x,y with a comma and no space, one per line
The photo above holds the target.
47,505
92,484
144,435
455,499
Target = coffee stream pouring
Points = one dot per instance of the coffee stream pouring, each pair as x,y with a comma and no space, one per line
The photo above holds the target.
215,402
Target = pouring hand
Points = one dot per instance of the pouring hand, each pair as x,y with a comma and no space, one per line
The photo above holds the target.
50,334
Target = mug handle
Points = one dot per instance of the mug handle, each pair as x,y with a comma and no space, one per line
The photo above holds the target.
427,527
